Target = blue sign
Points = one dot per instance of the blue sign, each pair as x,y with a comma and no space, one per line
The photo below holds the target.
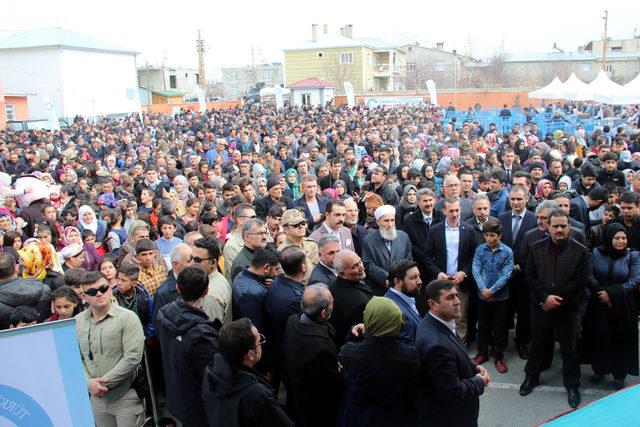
392,101
41,378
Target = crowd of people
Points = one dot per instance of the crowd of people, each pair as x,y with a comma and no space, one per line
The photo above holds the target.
321,266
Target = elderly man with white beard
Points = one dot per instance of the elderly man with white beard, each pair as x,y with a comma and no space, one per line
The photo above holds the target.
382,247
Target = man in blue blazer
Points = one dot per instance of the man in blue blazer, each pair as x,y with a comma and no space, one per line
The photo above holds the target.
582,205
404,287
449,253
451,383
518,220
313,204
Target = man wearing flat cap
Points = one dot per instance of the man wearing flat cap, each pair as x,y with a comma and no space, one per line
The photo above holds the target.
382,247
294,225
274,190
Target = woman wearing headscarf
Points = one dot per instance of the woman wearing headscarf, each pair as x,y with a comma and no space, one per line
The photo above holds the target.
91,256
293,183
408,204
610,332
181,185
87,221
543,188
380,365
40,261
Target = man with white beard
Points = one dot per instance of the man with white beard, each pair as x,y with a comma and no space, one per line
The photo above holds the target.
382,247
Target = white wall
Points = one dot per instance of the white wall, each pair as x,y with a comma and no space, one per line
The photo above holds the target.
35,71
297,96
97,83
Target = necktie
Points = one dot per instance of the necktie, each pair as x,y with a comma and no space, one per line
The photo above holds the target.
509,174
516,226
427,221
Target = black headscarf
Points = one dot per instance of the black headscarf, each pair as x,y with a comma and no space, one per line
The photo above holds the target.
607,246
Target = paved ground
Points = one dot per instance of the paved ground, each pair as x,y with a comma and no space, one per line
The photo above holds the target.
502,406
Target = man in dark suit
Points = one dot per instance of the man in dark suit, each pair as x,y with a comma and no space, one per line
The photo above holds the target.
508,165
451,188
311,360
417,224
384,246
313,204
336,172
515,224
324,272
274,195
451,383
564,203
449,256
582,205
404,287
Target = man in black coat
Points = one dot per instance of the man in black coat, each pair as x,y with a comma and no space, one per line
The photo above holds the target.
323,272
556,273
582,205
449,255
311,360
188,341
518,220
379,186
274,195
336,173
235,394
418,224
350,294
451,383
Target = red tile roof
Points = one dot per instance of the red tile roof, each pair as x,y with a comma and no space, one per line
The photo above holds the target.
311,82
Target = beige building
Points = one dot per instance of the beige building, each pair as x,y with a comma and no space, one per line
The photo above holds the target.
238,81
166,78
368,63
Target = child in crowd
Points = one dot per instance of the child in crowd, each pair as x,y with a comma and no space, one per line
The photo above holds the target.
66,304
23,316
133,296
167,227
492,268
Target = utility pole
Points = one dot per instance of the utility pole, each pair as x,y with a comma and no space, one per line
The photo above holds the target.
604,41
256,52
200,50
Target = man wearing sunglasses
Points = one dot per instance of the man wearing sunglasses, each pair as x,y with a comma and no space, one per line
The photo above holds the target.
111,344
234,245
294,225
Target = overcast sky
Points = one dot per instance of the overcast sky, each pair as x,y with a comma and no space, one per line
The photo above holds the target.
167,30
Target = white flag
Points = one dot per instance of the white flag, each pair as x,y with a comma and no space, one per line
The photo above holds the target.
50,108
433,96
351,97
202,99
279,97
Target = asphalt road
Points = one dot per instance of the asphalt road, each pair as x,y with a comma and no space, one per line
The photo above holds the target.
501,405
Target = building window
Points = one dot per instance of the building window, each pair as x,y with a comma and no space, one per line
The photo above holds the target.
233,76
197,78
131,93
411,66
268,74
616,48
346,58
585,68
319,55
186,75
439,65
173,82
608,68
306,99
11,111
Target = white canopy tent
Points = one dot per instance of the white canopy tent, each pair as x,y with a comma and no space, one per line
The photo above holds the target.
549,91
623,95
602,85
574,89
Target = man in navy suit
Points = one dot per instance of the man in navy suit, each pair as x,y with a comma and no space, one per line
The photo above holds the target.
449,255
451,383
358,232
515,224
313,204
323,272
582,205
404,287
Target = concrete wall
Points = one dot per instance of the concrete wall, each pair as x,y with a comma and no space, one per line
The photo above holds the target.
97,83
36,71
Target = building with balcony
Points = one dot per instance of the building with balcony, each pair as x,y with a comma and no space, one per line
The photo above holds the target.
368,63
165,78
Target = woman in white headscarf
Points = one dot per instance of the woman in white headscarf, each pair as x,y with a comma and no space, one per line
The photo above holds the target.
87,221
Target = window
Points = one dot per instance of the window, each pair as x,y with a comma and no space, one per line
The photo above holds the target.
346,58
306,99
585,68
268,74
197,78
131,93
439,65
411,66
608,68
233,76
186,75
11,111
319,55
616,48
173,82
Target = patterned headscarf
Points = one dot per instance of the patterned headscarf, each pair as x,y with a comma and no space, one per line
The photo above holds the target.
36,258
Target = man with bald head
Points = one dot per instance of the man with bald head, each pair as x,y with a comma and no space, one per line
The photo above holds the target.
311,359
350,292
358,232
384,246
451,188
